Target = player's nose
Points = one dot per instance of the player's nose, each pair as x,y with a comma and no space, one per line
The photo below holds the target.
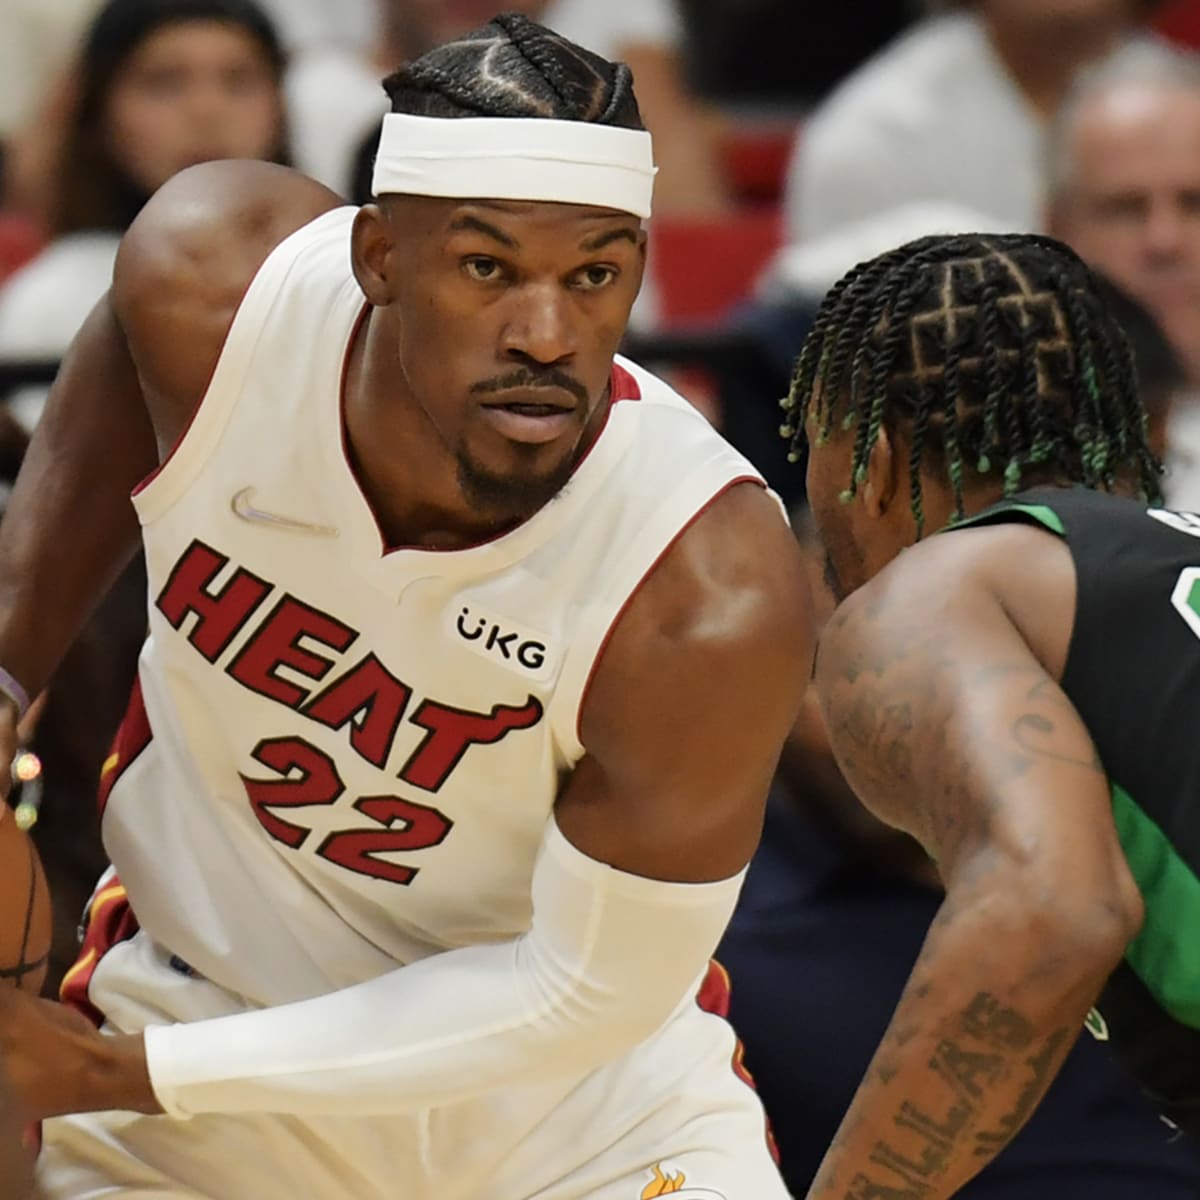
541,326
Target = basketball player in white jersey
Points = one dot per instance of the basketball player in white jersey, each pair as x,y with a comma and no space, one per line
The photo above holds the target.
471,652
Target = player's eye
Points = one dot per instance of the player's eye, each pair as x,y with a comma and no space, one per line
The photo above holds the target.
481,268
595,277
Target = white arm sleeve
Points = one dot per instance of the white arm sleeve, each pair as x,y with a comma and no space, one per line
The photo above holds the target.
608,958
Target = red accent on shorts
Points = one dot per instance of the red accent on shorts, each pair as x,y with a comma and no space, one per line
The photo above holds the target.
714,994
110,921
713,997
132,738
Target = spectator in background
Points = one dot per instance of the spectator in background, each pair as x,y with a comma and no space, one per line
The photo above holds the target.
953,111
336,102
36,40
1124,191
160,85
831,919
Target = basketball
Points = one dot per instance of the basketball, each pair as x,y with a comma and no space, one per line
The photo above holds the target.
25,921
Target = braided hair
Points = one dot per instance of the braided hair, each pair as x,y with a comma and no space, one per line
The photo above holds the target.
994,353
514,67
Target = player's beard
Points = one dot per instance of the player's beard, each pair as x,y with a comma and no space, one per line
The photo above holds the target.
513,497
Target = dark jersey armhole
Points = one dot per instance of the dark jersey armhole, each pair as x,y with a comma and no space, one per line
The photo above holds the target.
1007,510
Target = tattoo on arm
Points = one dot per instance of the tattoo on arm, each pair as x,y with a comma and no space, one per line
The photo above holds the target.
1034,728
899,703
1040,1066
947,726
986,1046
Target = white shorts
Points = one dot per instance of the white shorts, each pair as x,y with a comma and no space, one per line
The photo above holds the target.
673,1107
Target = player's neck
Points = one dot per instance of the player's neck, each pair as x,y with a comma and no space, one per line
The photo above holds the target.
408,475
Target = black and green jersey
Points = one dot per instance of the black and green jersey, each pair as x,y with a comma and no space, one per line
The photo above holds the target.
1133,673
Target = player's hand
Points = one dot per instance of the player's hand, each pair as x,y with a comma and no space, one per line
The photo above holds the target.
16,1160
59,1063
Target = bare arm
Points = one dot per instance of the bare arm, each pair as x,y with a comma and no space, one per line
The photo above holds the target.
719,642
69,528
128,386
948,726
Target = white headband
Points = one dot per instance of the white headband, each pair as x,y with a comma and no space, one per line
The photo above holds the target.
516,158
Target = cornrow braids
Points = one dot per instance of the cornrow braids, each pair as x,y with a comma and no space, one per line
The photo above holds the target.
514,67
995,355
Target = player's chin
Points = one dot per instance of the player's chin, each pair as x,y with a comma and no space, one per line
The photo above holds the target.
530,462
516,488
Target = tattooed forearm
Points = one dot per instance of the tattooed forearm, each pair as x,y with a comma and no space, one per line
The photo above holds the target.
983,1049
1041,1067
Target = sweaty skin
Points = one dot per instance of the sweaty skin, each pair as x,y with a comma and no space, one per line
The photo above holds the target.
674,782
939,682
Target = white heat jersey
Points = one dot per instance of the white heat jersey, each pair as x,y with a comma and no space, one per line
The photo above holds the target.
342,758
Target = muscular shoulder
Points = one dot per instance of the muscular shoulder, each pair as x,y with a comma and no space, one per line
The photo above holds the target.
187,260
693,696
727,605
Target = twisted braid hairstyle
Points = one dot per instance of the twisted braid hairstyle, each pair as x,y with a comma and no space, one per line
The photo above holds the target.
994,355
514,67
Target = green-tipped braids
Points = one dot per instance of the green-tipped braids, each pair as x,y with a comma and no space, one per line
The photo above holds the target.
991,355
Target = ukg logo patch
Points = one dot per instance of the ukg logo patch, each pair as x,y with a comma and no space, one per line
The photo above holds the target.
503,641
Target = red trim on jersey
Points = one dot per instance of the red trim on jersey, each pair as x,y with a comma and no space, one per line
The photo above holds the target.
637,587
713,997
622,386
110,921
133,736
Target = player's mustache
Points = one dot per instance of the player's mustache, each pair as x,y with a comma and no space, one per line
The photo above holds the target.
525,377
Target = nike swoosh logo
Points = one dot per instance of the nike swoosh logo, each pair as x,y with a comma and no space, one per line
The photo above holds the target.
242,505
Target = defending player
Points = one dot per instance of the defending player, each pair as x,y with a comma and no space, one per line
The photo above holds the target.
1014,692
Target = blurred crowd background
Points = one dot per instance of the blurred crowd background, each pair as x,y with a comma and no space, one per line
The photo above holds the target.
794,139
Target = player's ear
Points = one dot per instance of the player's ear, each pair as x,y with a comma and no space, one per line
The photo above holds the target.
370,254
879,489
